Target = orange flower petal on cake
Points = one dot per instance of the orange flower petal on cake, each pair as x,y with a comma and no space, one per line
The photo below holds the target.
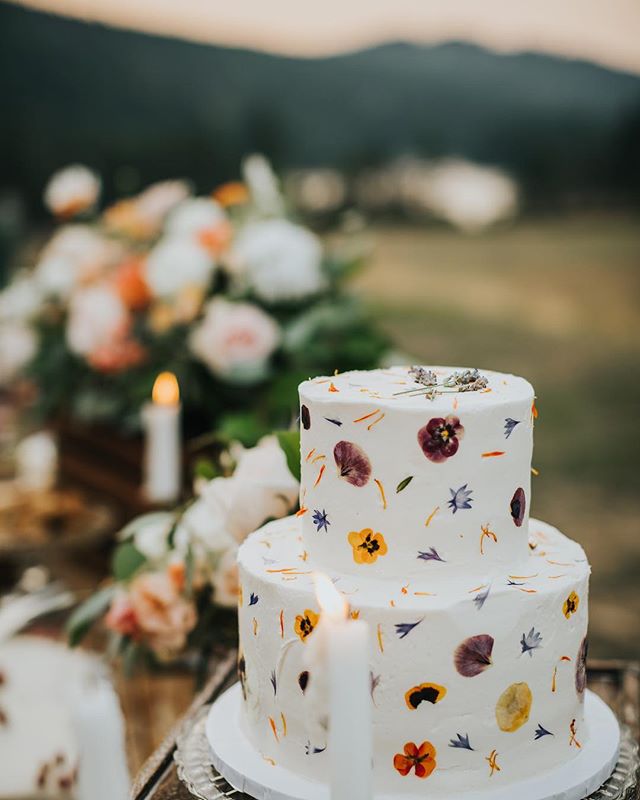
320,474
383,497
367,546
333,387
493,454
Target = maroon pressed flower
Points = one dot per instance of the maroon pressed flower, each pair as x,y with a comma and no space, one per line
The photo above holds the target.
473,655
581,667
352,462
518,506
305,417
440,438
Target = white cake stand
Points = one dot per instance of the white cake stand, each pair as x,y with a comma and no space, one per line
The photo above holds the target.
237,760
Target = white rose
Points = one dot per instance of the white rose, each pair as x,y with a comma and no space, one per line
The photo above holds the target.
279,260
18,345
263,185
20,300
194,216
175,264
235,340
150,534
72,190
225,580
76,254
204,527
261,488
96,317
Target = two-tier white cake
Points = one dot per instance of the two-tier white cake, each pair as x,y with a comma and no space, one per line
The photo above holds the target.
415,500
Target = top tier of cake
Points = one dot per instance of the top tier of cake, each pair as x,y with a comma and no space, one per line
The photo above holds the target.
396,483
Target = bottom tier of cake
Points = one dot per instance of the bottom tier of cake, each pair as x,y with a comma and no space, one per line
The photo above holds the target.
473,684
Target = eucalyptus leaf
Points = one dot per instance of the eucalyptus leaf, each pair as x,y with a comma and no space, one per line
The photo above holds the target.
86,614
127,560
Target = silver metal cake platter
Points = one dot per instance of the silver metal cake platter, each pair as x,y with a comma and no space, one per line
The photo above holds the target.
194,762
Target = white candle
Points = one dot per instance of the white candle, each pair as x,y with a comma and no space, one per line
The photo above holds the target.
345,642
37,462
162,452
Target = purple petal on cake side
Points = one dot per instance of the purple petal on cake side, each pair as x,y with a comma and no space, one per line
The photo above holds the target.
253,599
480,599
440,438
305,417
460,498
334,421
530,641
430,555
518,506
473,656
353,463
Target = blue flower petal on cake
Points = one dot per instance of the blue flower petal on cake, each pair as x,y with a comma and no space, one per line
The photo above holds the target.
253,599
480,599
430,555
461,742
540,732
320,520
334,421
509,425
404,628
460,498
274,681
531,641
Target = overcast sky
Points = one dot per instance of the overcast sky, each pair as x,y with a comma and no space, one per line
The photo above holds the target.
607,31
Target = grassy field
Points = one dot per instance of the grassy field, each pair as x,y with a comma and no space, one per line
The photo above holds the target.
557,302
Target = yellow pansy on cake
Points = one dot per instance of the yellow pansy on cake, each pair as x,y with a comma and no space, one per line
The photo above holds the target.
415,498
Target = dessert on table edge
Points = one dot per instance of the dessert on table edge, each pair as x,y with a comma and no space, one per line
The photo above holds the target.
415,498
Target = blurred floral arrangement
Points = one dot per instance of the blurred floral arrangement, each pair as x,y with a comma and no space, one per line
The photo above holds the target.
174,570
226,291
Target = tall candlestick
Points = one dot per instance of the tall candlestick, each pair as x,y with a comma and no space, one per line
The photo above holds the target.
163,454
346,645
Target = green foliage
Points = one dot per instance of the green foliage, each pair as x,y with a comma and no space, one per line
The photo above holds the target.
127,560
86,614
290,443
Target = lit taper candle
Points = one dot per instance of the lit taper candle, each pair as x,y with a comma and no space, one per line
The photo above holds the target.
163,450
344,643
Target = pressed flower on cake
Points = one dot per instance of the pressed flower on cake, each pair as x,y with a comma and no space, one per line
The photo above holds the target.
367,546
440,438
353,463
422,759
571,605
424,693
305,624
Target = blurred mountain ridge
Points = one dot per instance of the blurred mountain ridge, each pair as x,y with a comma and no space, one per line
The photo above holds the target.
76,91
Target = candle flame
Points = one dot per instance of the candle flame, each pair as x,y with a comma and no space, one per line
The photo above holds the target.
331,602
166,391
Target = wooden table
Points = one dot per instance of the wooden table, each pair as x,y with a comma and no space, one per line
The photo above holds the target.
153,703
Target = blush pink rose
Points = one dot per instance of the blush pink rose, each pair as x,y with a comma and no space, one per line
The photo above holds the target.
121,618
165,617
